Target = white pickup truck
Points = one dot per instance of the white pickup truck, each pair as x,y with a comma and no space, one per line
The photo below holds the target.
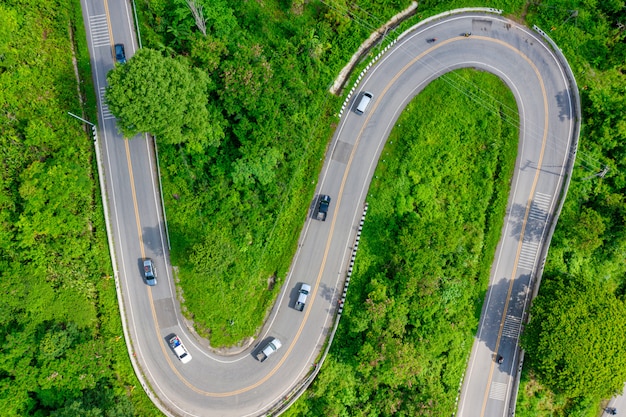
179,349
272,346
305,289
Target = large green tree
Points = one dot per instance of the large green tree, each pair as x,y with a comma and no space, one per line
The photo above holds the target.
166,97
576,337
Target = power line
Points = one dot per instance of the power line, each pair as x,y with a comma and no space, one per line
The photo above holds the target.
511,116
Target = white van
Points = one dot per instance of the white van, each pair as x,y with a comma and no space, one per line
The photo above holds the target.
363,102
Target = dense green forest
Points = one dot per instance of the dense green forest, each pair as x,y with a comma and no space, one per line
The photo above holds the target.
236,196
62,350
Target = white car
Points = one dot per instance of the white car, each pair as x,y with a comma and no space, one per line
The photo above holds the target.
149,272
179,349
305,289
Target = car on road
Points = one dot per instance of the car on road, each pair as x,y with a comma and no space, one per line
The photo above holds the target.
363,102
322,207
120,54
149,272
305,289
269,349
179,349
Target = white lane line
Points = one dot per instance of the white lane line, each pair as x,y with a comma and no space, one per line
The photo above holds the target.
106,113
498,391
512,327
99,30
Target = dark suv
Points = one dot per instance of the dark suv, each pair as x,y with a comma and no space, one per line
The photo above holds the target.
322,207
149,272
120,55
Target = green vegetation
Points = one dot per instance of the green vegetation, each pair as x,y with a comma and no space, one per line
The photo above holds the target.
61,347
235,212
236,209
564,355
435,216
165,97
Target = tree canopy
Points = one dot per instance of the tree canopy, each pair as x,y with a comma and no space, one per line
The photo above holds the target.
166,97
576,336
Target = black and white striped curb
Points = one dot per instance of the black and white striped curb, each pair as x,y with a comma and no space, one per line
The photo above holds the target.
342,300
402,35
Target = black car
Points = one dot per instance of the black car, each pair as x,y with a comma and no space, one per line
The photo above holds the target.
120,54
322,207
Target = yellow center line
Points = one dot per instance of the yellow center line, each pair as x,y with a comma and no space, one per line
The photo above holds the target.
140,234
106,12
131,179
329,240
526,214
326,249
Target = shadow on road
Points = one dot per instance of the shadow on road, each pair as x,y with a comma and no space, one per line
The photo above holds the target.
535,224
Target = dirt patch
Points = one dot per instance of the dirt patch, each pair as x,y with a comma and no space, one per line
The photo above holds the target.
525,11
368,44
271,281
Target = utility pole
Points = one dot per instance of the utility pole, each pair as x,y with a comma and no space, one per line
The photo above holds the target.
93,127
81,119
600,174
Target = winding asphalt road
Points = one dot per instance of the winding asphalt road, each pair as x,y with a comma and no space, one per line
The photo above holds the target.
239,385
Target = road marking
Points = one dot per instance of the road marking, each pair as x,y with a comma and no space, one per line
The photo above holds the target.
498,391
131,180
99,28
543,201
538,216
544,140
106,11
512,327
528,255
106,113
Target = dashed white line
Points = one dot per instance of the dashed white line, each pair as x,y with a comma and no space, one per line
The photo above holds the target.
543,200
99,30
528,255
106,113
512,327
498,391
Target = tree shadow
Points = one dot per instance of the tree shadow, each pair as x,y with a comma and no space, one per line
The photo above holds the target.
503,321
532,225
563,99
152,240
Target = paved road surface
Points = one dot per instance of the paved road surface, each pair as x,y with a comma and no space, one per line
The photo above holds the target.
238,385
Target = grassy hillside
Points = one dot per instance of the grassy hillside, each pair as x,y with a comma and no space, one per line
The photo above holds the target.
62,350
235,211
